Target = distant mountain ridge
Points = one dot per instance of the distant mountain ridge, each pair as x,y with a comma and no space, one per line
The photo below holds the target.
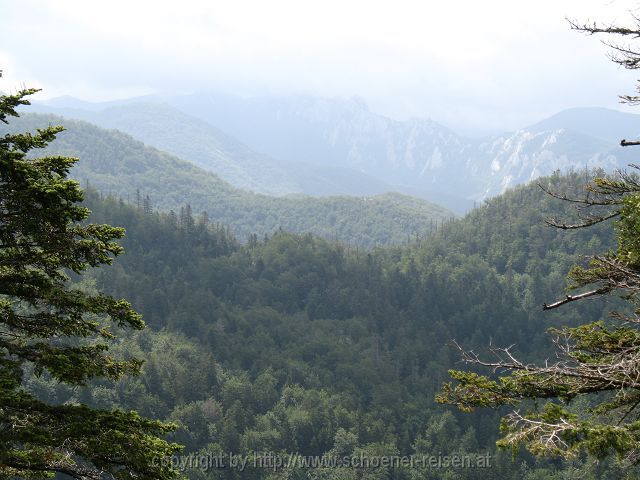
612,125
418,157
117,164
164,127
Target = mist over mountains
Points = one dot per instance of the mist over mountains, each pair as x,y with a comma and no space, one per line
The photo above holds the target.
319,146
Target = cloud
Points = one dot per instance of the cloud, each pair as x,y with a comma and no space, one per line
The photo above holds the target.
492,63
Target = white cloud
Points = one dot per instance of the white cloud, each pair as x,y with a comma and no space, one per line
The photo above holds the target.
492,63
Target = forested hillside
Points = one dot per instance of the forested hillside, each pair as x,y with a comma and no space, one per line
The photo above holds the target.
115,163
294,344
319,241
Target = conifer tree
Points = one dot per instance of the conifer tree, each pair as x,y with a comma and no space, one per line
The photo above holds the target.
50,327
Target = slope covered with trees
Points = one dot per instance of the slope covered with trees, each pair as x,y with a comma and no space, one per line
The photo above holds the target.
115,163
292,343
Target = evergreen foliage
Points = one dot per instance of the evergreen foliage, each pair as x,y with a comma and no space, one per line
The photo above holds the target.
48,326
292,343
596,359
320,347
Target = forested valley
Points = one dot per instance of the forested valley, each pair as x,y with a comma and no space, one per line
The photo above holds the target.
292,343
319,241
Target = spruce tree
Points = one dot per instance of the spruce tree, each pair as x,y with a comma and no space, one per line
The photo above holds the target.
49,327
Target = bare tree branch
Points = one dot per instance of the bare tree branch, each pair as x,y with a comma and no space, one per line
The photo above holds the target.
572,298
587,223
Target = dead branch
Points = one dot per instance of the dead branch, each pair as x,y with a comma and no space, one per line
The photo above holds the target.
572,298
586,201
587,223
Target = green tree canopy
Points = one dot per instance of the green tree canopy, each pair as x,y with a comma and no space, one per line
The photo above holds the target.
598,360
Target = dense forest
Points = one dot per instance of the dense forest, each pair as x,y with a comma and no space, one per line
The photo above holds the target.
326,242
292,343
119,165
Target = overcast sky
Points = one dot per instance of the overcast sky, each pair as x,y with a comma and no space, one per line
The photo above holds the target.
473,65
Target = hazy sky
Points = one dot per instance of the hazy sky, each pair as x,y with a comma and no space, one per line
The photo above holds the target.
475,65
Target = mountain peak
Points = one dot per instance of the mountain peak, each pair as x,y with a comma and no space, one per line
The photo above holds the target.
604,123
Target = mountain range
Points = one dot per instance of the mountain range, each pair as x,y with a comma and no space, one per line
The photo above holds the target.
166,128
322,146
